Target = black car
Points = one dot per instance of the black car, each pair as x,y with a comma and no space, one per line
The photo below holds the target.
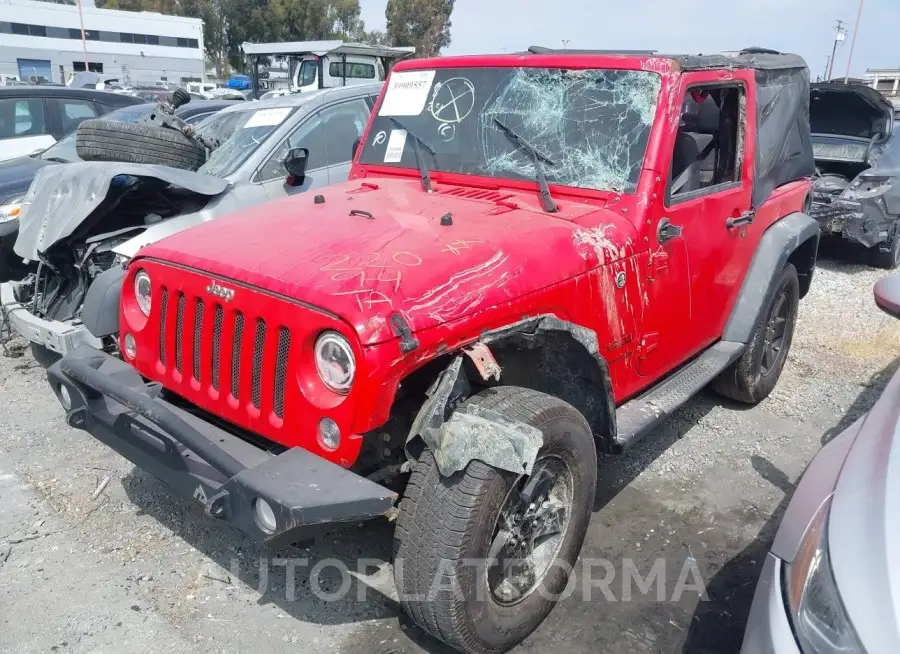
17,174
35,117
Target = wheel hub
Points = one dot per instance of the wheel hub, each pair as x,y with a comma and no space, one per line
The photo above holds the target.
529,531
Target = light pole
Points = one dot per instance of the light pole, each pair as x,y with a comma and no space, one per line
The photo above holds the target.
565,43
83,39
839,36
853,41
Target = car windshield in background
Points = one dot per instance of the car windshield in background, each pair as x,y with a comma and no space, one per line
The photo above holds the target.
240,134
593,125
63,151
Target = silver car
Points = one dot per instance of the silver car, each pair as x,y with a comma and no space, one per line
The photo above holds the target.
830,583
85,219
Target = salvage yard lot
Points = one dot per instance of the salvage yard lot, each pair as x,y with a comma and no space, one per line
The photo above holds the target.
132,569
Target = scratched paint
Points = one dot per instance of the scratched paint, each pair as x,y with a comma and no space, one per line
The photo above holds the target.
463,291
597,240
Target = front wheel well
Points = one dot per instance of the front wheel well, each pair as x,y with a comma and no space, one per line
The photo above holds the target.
804,260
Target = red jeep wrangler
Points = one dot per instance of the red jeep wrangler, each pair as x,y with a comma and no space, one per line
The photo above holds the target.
538,256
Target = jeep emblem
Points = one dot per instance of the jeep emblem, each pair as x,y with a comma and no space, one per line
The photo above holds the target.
220,291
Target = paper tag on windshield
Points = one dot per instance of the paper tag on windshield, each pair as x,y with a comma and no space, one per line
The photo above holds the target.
406,93
268,117
396,143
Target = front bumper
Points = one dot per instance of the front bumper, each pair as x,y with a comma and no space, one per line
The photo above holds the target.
768,627
59,337
226,474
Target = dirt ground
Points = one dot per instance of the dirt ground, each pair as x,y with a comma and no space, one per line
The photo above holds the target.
132,569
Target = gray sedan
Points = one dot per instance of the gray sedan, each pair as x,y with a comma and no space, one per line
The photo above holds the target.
259,142
830,583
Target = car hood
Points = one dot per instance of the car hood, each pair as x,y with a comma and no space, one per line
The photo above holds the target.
371,249
62,197
16,175
864,526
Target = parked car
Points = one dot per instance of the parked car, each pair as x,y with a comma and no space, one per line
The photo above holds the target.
828,582
80,236
33,118
239,82
527,265
856,194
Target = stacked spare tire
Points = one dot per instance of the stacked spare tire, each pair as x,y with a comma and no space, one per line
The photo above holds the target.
159,138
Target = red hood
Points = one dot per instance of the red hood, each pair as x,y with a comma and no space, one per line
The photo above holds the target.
402,258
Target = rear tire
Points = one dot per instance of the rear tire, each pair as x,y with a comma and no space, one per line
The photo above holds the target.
890,259
108,140
447,523
751,378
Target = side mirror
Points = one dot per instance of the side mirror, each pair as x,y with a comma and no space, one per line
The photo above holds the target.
295,164
887,295
355,149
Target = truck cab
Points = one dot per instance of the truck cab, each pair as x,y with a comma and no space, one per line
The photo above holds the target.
327,64
538,257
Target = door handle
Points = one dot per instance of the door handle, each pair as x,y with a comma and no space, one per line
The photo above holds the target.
745,218
666,231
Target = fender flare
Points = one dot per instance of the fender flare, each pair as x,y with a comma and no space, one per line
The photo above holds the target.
100,312
773,251
457,435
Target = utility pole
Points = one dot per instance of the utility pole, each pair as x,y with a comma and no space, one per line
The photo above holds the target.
853,41
839,35
565,43
83,36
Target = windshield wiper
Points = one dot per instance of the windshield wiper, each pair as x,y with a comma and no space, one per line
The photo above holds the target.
547,203
420,160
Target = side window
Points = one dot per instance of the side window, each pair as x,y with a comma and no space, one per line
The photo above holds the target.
72,112
22,117
344,123
354,70
708,140
308,134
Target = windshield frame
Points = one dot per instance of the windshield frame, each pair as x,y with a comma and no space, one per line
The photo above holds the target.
656,68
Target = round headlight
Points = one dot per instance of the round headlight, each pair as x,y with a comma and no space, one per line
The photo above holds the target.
335,362
142,291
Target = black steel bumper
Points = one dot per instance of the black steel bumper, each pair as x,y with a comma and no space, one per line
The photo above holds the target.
224,473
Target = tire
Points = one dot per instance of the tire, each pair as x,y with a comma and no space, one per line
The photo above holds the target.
447,522
43,356
108,140
750,379
890,259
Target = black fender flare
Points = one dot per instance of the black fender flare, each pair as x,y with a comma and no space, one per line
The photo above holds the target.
100,312
447,430
776,247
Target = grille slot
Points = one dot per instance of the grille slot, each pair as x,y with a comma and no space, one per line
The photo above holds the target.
198,326
259,342
164,303
236,355
216,345
281,358
179,332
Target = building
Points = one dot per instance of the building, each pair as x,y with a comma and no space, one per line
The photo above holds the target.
887,81
44,40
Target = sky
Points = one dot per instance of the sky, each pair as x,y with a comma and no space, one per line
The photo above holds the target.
804,27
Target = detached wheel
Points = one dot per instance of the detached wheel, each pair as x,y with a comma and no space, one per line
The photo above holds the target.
751,378
109,140
481,557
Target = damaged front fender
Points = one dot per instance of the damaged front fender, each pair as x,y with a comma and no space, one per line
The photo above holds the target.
459,433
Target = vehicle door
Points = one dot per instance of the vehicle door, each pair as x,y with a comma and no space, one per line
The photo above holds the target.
344,124
700,228
24,127
66,114
308,134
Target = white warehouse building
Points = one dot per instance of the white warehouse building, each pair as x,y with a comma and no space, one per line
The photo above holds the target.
44,40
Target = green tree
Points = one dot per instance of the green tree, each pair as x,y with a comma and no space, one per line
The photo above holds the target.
424,24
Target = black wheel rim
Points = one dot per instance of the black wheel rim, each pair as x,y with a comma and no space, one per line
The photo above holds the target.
529,531
776,331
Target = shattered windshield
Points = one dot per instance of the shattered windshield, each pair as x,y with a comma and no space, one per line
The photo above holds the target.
592,124
240,134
